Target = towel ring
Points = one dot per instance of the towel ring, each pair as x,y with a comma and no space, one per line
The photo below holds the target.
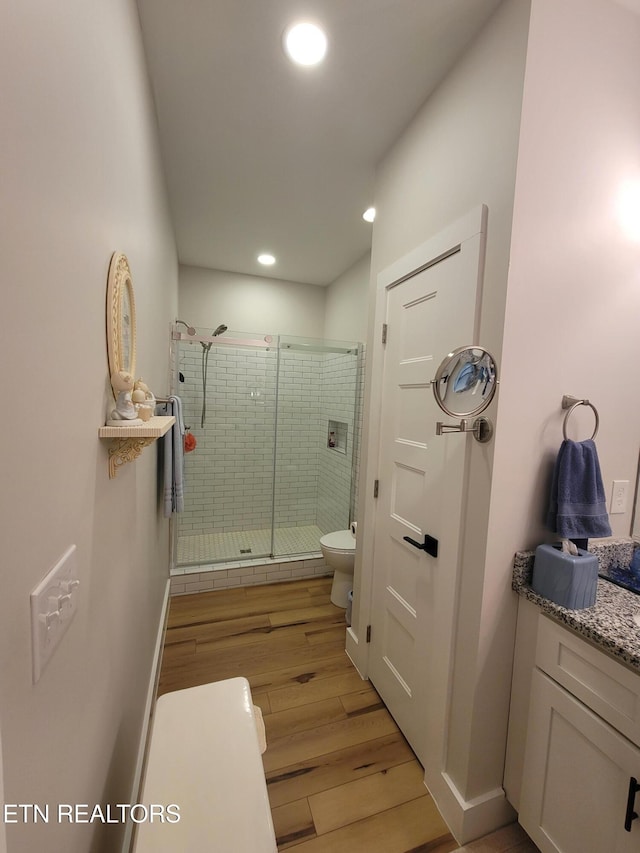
572,404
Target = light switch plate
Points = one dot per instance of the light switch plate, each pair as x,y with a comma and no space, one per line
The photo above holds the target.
619,494
53,605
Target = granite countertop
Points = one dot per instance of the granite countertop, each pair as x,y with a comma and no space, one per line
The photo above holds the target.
609,623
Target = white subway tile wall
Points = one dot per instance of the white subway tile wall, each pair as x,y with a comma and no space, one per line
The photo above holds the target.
337,405
359,413
299,438
229,476
229,479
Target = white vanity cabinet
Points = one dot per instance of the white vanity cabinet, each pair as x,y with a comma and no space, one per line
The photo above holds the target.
581,752
577,776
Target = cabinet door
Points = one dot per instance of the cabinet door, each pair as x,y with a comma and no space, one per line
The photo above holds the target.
576,777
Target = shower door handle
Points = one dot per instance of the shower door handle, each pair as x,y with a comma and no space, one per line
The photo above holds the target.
430,545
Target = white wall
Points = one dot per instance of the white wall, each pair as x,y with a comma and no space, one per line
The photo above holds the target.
459,152
255,304
347,303
249,303
570,308
575,271
81,178
574,285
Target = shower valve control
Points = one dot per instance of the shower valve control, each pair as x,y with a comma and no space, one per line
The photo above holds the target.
53,605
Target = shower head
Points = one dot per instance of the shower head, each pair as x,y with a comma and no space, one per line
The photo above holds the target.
190,329
219,331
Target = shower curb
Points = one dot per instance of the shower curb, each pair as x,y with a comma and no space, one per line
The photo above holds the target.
206,579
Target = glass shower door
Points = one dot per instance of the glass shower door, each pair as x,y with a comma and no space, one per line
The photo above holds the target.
229,476
317,382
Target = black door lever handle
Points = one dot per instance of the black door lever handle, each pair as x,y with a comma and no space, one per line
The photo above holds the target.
631,815
430,545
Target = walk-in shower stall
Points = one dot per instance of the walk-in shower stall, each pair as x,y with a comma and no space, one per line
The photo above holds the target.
276,426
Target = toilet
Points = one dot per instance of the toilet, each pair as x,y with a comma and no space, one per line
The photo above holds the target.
339,551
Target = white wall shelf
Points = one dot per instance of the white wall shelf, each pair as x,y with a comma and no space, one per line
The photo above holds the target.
127,442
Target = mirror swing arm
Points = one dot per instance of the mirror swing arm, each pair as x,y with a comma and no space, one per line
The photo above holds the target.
482,428
463,374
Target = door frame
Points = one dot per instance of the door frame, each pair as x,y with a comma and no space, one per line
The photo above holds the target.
468,226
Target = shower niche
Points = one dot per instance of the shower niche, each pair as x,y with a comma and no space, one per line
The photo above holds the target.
337,433
263,481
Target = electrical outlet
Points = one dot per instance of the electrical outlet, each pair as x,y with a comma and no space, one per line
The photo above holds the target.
619,494
53,605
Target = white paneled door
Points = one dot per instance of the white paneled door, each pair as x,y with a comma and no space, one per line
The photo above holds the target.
429,301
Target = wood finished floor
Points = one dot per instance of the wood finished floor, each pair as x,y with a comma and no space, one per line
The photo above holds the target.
340,775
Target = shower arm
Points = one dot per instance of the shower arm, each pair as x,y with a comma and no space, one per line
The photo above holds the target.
175,334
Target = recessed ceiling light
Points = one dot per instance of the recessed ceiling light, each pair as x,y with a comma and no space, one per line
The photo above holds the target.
369,215
266,259
305,43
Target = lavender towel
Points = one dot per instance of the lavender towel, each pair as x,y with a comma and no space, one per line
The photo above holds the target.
173,492
577,508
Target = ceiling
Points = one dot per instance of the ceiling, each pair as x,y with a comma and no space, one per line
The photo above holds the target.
264,156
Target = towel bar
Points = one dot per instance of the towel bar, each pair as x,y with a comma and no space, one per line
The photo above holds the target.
572,404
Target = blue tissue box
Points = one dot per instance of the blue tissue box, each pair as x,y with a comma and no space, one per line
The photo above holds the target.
569,581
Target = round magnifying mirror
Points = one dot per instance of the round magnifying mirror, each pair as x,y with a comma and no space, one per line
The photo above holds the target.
466,381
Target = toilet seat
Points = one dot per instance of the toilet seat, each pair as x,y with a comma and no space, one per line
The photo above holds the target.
339,540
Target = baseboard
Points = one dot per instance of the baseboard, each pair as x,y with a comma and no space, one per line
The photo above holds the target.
148,711
353,652
470,819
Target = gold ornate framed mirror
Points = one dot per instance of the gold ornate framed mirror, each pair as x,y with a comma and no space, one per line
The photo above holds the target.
121,316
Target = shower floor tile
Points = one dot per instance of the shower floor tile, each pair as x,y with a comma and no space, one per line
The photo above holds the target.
247,544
